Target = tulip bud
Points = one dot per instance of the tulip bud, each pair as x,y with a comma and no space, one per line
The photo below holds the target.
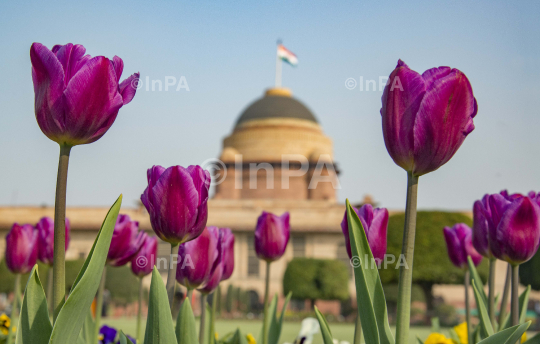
199,258
459,244
126,241
21,248
517,233
425,118
271,236
143,262
45,242
77,97
176,199
375,223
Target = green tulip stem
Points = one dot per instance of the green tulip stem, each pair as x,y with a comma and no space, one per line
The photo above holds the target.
506,293
266,294
467,284
357,329
190,294
491,292
171,278
59,256
50,289
99,305
406,270
212,332
139,311
515,295
14,308
203,318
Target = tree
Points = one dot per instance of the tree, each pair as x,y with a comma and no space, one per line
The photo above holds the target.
313,279
431,263
528,272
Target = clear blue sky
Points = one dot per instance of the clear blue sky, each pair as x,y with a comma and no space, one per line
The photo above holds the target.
227,54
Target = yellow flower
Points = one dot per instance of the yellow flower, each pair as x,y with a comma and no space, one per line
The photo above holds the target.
5,323
524,337
461,331
251,339
216,335
438,338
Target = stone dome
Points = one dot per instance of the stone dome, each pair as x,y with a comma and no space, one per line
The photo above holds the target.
276,103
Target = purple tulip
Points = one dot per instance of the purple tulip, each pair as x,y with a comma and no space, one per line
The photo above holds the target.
77,97
199,258
126,241
143,262
227,243
425,118
225,263
459,244
481,226
176,199
45,242
375,223
21,248
272,236
517,228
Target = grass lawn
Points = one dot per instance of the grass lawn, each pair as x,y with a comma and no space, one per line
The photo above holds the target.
342,332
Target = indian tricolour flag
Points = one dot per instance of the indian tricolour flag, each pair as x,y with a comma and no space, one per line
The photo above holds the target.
286,55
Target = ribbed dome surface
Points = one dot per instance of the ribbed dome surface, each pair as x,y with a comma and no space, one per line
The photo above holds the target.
276,106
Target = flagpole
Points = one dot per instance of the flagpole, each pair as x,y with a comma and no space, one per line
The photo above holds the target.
278,69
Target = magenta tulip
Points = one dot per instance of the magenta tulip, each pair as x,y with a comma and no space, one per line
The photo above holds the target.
45,242
459,245
225,263
481,226
375,223
126,241
516,224
77,97
176,199
21,248
272,236
227,243
199,258
425,118
143,262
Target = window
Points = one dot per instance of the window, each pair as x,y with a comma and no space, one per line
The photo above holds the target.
299,246
253,261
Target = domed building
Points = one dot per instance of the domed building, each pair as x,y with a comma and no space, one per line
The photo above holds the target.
277,150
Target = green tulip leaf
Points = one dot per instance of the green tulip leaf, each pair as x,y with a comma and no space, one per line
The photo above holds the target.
159,325
369,292
238,338
418,340
72,316
186,328
87,333
276,323
325,329
508,336
523,302
476,277
485,322
34,323
124,339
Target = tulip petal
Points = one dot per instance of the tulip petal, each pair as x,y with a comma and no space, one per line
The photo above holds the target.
442,122
400,103
518,233
177,203
118,64
48,78
21,248
433,74
69,56
480,233
128,88
376,233
92,101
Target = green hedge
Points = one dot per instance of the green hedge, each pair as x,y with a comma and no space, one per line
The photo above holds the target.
316,279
